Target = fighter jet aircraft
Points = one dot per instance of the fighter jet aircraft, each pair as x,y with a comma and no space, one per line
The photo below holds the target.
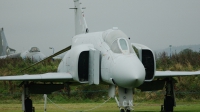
105,57
33,54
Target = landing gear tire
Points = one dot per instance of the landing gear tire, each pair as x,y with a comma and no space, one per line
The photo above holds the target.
122,110
128,110
162,108
169,104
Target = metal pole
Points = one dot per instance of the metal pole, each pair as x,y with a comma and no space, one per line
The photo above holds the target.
170,50
52,49
45,102
23,98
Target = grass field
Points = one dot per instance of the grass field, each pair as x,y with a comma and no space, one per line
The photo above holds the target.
108,107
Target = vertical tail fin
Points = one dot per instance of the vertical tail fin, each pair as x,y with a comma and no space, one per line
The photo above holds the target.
80,22
3,43
4,49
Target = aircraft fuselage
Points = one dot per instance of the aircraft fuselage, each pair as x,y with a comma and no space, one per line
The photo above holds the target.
122,68
36,57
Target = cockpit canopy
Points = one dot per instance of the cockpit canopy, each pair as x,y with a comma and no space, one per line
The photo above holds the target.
34,49
117,41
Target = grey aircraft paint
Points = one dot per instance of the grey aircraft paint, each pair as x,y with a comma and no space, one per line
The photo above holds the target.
4,48
3,43
6,51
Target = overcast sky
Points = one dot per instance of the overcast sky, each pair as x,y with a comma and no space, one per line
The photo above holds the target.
50,23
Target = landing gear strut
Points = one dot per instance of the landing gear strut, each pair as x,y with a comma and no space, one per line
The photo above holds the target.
125,102
169,101
27,105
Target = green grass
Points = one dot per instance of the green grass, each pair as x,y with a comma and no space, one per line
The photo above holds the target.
149,102
108,107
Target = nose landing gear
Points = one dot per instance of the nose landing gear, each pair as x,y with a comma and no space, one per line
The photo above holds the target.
125,110
125,102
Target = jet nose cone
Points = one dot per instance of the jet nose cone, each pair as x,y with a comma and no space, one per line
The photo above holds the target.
128,72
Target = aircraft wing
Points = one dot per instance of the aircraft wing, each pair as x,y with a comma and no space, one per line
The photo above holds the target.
39,77
164,74
14,55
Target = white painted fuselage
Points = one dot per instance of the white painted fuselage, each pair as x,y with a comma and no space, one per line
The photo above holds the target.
33,56
121,69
